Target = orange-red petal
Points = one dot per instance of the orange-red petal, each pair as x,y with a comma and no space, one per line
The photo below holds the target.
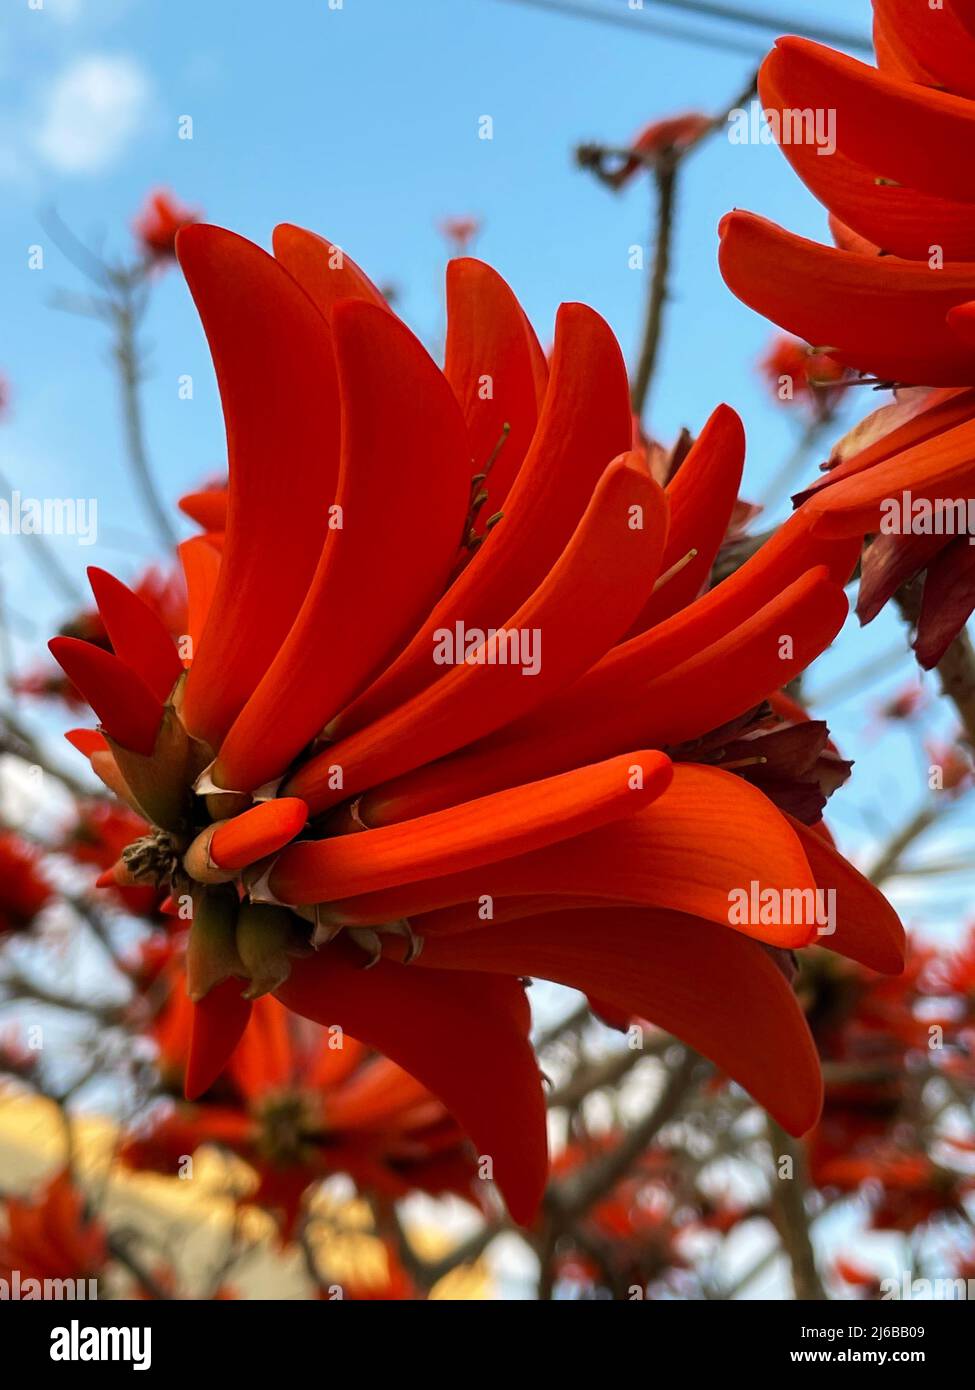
127,709
403,495
272,353
477,833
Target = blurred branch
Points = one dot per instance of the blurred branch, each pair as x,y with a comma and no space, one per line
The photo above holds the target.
593,1077
571,1023
17,989
663,165
665,182
790,1215
126,319
569,1199
47,558
121,302
15,739
890,858
815,427
120,1245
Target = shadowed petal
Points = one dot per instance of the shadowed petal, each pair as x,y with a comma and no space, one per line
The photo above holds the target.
710,835
463,1036
868,929
715,989
219,1020
322,269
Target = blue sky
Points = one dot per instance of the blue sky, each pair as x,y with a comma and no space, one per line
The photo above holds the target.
362,123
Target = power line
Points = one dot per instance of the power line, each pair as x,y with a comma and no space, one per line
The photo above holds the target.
753,19
631,20
701,38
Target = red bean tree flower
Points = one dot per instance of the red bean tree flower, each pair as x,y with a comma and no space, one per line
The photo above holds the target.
660,140
366,755
24,890
298,1104
50,1238
895,297
460,232
798,373
157,223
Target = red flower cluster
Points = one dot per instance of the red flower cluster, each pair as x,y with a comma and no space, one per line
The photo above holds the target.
364,759
157,224
796,372
895,297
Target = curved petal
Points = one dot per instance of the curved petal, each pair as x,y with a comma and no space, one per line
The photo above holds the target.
219,1020
403,495
697,848
87,741
930,44
874,313
947,602
576,614
256,833
477,833
322,269
207,508
626,703
852,505
462,1036
201,569
712,470
490,361
273,358
888,562
136,633
902,219
868,929
913,418
715,989
264,1061
914,135
584,424
127,709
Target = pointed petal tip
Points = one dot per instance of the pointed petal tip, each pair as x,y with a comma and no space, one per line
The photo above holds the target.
219,1021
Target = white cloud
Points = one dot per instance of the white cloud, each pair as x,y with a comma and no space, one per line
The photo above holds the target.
91,111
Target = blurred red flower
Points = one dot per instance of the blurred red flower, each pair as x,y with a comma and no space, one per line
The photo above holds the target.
23,888
156,225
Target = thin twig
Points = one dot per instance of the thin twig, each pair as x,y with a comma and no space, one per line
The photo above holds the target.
790,1215
665,188
126,355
